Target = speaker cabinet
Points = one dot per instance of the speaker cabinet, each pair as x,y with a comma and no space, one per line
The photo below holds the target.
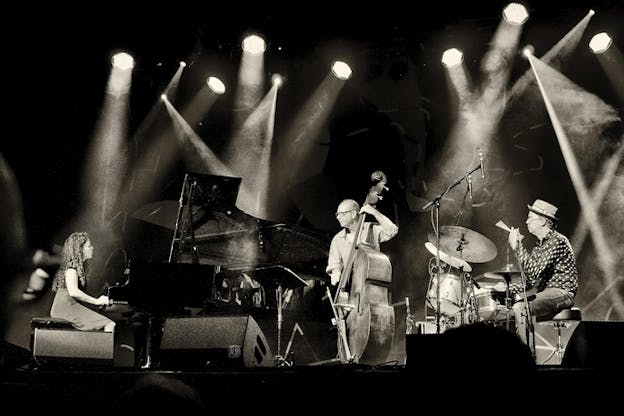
595,344
229,341
70,346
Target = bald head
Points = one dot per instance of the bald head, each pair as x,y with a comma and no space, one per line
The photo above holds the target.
348,205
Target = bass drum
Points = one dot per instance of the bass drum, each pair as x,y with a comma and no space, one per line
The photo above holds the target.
450,294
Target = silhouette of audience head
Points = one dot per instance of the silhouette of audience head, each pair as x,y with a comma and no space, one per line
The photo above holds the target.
153,393
484,347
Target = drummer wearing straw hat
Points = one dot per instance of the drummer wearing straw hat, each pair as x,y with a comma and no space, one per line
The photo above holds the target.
550,268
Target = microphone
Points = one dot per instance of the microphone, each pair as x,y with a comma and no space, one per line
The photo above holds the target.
474,282
481,162
126,272
469,180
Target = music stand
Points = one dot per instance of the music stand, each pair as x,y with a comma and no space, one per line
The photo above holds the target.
201,195
278,278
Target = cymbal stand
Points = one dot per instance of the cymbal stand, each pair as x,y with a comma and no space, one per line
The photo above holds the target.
508,303
470,297
436,225
462,309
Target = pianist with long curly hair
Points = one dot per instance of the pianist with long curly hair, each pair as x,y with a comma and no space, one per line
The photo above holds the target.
69,284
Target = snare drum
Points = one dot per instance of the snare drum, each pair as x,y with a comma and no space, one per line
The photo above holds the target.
450,294
488,308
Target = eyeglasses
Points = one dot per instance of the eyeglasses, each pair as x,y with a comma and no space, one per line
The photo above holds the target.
342,213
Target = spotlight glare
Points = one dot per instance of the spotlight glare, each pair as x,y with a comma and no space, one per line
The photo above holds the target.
277,80
341,70
163,97
182,64
592,12
600,42
216,85
122,61
515,14
254,45
452,57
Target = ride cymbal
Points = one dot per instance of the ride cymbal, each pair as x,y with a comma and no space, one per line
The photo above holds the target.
474,247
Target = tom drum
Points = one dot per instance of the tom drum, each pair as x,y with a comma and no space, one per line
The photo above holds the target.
450,294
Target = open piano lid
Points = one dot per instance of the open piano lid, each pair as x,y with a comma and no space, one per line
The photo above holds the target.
226,236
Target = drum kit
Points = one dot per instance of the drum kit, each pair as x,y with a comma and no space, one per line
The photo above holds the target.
463,298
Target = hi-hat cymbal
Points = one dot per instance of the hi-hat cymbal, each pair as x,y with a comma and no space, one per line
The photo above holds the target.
450,260
508,272
474,247
493,278
508,269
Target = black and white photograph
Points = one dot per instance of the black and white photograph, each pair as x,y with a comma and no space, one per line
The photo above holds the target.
311,206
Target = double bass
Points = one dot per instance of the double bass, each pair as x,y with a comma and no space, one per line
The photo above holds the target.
365,335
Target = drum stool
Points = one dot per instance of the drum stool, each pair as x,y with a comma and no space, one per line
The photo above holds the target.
563,319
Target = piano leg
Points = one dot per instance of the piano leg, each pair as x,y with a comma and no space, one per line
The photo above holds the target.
140,343
153,337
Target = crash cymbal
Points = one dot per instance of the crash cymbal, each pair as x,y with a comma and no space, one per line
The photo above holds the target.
475,247
450,260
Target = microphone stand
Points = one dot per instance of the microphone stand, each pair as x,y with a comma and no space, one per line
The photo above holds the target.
190,225
508,303
436,205
530,331
463,274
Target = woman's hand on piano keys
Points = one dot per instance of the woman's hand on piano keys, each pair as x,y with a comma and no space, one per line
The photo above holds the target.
103,300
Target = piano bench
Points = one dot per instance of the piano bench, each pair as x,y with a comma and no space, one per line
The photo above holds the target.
56,341
49,323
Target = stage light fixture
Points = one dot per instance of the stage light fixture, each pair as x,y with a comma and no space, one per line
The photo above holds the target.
254,45
122,61
452,57
341,70
515,14
216,85
600,42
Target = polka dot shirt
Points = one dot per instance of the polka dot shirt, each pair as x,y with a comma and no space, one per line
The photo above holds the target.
551,263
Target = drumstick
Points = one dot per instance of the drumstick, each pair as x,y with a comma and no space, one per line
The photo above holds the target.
500,224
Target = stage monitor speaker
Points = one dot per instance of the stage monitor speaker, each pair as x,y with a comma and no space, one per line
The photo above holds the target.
229,341
72,347
595,344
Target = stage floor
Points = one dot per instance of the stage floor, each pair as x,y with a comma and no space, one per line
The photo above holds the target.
297,389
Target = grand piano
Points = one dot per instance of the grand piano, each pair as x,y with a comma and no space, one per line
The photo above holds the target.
213,241
210,232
